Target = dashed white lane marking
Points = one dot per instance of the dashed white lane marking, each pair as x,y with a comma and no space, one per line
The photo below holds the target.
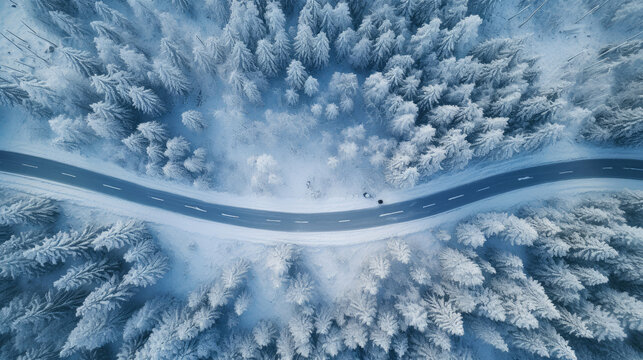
70,175
524,178
392,213
484,188
228,215
301,221
155,198
565,172
631,168
456,197
426,206
607,168
343,221
195,208
273,220
29,165
112,187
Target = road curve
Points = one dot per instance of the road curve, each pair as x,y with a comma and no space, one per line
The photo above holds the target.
429,205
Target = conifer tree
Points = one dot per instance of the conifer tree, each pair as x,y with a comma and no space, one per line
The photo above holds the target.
296,75
120,234
145,100
80,61
105,298
87,273
31,210
153,131
68,24
59,247
11,94
109,120
171,77
266,58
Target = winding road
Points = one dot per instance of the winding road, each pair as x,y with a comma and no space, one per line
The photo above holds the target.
425,206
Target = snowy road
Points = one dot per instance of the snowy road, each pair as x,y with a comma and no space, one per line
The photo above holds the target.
425,206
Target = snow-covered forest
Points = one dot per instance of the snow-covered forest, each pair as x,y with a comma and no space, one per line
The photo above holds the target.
557,279
278,106
66,288
228,94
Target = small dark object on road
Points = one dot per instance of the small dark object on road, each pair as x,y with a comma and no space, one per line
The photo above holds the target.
380,201
367,195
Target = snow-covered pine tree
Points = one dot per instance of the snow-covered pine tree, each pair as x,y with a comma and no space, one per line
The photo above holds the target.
109,120
275,18
361,54
399,250
80,61
470,235
355,335
113,17
207,55
57,248
135,142
344,43
90,272
279,260
171,77
153,131
54,305
311,86
148,272
518,231
300,289
296,75
282,48
142,251
68,24
412,310
71,133
11,94
197,162
444,315
177,148
145,100
241,58
266,58
172,54
93,331
120,234
136,62
291,96
264,333
362,307
109,296
458,268
320,51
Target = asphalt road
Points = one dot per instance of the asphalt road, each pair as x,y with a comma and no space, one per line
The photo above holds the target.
418,208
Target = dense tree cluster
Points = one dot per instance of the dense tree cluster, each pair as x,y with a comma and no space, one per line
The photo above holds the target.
113,88
558,280
561,280
443,96
67,293
610,88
